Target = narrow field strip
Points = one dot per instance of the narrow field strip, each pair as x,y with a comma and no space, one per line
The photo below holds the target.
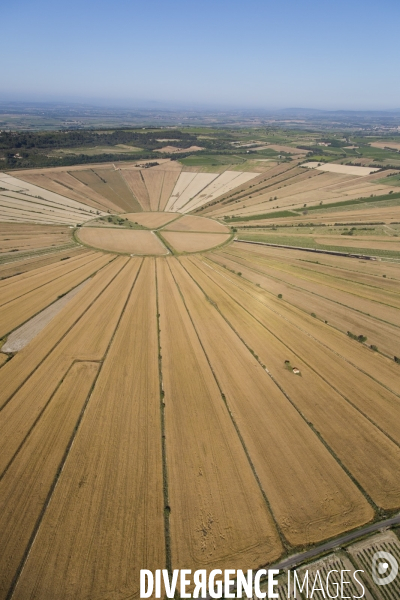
344,318
218,514
48,268
375,293
365,451
267,421
170,179
367,306
12,290
45,256
11,257
20,310
27,483
105,519
338,268
26,265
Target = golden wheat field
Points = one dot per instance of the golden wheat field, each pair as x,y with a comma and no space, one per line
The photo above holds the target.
176,393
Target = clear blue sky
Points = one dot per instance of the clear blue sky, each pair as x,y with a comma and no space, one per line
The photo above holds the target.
332,54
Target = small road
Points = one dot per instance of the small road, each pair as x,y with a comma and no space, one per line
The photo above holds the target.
297,559
344,539
315,250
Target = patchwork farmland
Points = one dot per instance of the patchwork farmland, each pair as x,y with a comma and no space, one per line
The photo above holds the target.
196,370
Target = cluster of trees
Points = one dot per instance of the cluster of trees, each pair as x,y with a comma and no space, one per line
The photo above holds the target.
75,138
72,138
28,149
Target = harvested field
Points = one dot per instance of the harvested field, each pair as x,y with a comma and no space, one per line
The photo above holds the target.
123,241
154,183
116,183
208,468
16,267
109,184
66,184
224,409
371,242
190,223
170,179
362,215
135,181
264,433
21,237
152,220
121,523
19,338
23,364
347,169
33,202
340,313
288,149
296,188
194,242
29,479
175,150
26,403
388,144
341,426
182,183
10,289
354,361
196,186
19,307
226,182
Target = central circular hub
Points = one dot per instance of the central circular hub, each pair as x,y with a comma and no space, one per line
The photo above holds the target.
153,234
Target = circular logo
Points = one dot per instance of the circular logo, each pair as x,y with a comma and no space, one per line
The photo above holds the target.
384,568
